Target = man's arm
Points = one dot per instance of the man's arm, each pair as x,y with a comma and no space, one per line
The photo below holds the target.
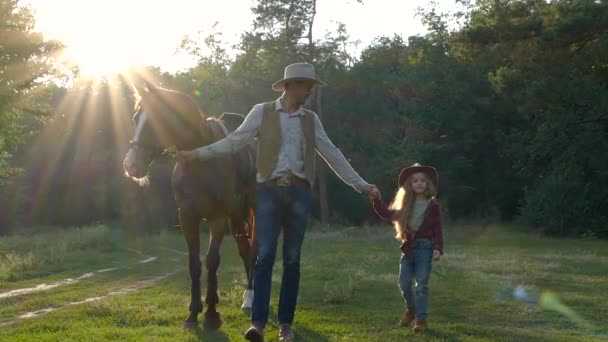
336,160
231,143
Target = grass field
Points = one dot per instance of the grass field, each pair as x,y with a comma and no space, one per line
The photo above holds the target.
97,283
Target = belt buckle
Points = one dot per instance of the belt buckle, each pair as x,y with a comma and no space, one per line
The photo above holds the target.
283,181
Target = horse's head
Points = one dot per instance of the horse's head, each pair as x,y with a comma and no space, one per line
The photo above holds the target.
162,118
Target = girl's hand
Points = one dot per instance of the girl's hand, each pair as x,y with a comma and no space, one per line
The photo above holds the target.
436,255
373,192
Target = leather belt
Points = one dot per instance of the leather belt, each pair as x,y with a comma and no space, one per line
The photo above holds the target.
287,181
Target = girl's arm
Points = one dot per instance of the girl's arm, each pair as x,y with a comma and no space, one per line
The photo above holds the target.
382,209
436,228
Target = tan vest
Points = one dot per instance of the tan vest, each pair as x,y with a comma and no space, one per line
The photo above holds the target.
269,142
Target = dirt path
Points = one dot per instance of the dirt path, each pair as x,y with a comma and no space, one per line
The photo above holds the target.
69,281
124,290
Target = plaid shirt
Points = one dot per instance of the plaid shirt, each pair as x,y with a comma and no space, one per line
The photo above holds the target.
429,229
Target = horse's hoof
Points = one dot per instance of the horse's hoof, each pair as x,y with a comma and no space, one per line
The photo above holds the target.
212,321
246,310
190,325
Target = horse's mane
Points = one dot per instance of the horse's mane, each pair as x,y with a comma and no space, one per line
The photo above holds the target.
184,104
174,99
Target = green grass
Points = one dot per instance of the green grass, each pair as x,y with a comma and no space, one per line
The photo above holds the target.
348,289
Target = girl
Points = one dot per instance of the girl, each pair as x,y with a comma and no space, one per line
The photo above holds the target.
416,216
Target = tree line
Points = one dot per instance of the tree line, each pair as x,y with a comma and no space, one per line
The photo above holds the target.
511,106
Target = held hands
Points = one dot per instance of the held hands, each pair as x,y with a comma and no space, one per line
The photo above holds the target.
183,156
436,255
373,192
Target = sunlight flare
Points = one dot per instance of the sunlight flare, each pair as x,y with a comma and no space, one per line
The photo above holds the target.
109,37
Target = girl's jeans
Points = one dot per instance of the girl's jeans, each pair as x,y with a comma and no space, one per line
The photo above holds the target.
419,269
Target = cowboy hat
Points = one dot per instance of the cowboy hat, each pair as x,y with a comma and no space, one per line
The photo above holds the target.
427,170
297,71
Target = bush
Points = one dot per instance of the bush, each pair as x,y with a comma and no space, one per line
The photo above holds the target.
564,204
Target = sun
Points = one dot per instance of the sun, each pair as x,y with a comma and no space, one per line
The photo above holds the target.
105,37
98,61
101,49
101,38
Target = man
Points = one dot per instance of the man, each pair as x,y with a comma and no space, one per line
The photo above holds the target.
288,137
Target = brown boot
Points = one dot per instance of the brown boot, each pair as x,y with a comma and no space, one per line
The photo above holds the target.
420,325
407,317
286,333
255,334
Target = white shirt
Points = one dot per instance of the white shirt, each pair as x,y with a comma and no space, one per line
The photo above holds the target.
293,144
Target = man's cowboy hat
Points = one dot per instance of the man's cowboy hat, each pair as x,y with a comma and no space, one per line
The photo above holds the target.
297,71
427,170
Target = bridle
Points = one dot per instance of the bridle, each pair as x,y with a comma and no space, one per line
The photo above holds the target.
154,150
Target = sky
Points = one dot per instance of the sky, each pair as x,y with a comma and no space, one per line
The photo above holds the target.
106,34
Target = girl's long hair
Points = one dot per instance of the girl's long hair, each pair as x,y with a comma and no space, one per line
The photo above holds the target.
403,204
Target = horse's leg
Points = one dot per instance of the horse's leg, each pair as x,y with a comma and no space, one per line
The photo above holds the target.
241,228
189,223
212,261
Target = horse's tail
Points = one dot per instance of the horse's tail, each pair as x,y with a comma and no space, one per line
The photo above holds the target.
251,225
253,243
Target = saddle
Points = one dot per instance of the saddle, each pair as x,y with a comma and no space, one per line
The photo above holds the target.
244,159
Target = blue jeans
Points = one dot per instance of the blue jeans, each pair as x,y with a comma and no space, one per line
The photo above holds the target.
279,207
419,269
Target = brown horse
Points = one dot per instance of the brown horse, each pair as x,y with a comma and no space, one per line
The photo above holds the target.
221,191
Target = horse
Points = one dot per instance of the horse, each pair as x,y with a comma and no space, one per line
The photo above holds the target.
221,191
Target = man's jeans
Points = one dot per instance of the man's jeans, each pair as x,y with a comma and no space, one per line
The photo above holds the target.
287,207
420,269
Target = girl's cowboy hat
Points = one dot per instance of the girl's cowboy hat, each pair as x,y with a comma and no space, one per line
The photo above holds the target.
427,170
297,71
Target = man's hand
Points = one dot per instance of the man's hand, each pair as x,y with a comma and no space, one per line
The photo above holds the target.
373,192
183,156
436,255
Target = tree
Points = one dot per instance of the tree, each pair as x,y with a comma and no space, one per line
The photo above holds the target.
25,59
545,119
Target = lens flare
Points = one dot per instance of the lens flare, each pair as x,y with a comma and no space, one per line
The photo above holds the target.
547,300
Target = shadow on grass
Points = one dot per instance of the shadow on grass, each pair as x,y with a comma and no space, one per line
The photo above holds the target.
211,335
303,333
